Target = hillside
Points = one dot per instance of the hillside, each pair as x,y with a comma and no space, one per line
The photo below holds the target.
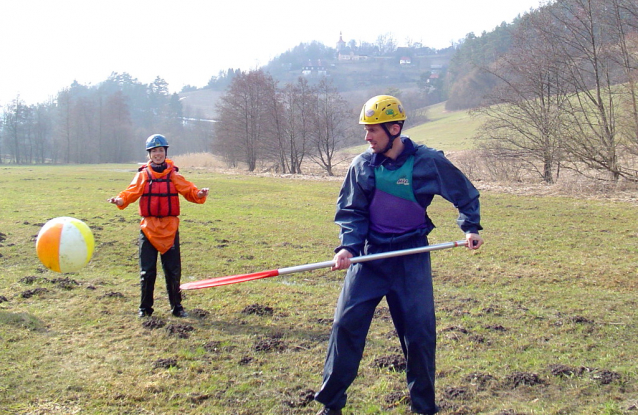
356,80
446,130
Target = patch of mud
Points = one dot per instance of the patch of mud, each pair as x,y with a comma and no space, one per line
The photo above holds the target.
458,329
492,309
215,346
477,338
562,319
452,392
580,320
153,323
394,362
602,376
605,377
258,309
481,380
198,398
301,400
112,294
567,371
31,293
65,283
180,330
510,412
199,313
270,344
165,363
324,321
246,360
31,279
496,327
517,379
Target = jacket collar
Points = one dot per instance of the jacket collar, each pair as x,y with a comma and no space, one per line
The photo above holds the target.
408,149
170,167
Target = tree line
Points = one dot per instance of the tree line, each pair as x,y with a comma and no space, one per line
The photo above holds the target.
564,93
107,123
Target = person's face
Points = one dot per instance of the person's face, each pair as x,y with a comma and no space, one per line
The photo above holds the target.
157,155
377,137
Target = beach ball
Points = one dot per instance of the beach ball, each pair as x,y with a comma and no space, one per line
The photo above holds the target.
65,244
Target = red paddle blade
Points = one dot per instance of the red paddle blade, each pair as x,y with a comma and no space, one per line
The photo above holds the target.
230,279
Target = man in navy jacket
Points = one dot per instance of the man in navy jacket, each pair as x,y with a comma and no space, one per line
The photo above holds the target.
382,206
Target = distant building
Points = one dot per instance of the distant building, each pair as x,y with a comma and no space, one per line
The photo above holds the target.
314,69
345,53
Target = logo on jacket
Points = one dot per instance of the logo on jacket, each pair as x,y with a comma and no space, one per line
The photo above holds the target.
403,181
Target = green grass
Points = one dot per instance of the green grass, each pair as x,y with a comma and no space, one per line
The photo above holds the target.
555,284
446,131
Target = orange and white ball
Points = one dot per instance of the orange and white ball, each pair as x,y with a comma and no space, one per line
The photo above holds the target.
65,244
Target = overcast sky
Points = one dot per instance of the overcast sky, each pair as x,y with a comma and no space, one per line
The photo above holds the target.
47,44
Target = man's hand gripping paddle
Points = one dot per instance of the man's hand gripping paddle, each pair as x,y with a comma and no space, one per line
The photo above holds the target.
234,279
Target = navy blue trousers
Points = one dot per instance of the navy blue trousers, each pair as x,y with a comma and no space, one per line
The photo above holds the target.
172,267
406,283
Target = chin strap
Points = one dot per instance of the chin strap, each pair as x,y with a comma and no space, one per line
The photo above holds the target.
390,136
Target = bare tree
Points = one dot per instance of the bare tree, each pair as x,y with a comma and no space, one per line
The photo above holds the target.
244,118
386,44
330,126
622,21
525,110
585,42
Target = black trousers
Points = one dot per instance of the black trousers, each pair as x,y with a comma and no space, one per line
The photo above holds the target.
172,266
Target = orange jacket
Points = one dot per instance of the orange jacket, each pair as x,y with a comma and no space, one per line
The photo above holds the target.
160,231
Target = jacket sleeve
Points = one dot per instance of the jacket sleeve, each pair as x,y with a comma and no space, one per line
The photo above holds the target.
353,210
133,191
455,187
187,189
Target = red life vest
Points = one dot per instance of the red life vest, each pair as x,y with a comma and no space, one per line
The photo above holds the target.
160,197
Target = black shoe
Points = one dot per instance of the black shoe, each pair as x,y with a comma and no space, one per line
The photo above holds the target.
142,314
328,411
180,313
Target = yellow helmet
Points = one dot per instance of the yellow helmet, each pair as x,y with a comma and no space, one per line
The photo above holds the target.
381,109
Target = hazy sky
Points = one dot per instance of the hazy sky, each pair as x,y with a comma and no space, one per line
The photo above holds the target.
47,44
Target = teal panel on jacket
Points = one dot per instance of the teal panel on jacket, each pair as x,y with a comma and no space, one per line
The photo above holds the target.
398,182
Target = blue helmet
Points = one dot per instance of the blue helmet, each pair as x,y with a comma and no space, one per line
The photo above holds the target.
156,140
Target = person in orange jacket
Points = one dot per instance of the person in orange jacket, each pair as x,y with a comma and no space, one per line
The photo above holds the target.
158,185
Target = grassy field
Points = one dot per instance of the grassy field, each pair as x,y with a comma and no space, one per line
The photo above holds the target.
541,320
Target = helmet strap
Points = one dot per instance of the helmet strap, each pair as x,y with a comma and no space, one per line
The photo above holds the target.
390,136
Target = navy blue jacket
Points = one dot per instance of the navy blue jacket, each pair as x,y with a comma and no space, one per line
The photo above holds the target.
433,174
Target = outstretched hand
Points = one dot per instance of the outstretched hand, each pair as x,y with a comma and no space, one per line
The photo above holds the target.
202,193
116,200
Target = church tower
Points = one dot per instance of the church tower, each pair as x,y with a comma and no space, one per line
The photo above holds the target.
340,44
